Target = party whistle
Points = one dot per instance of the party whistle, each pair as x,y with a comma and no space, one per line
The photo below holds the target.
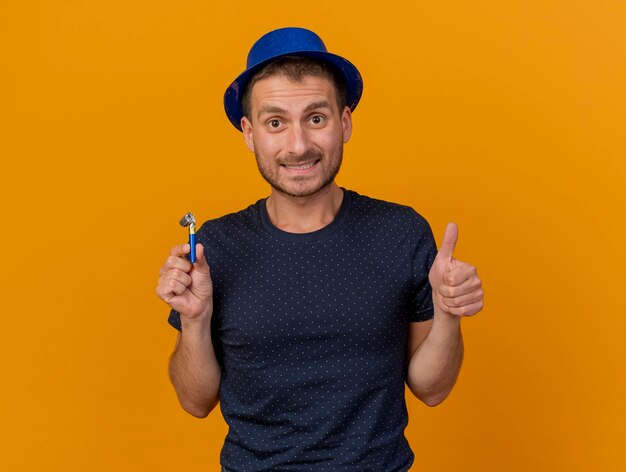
190,221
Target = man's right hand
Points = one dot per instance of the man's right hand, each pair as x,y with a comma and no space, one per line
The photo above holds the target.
184,286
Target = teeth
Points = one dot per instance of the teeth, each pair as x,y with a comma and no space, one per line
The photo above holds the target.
302,167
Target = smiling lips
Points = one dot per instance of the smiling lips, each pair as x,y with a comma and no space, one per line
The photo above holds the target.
301,166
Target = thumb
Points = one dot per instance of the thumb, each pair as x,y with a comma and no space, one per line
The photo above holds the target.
200,264
449,241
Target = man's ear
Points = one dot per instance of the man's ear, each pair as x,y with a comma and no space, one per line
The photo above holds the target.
246,128
346,123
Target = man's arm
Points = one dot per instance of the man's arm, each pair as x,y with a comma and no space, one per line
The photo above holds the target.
435,347
194,371
188,289
435,352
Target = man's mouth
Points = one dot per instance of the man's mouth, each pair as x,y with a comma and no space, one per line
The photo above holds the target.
304,166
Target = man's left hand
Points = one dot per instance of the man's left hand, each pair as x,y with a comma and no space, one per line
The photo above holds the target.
457,289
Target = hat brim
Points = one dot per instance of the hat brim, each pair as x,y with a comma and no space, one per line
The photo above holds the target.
234,93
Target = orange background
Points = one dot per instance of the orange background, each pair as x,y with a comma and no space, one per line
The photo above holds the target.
504,116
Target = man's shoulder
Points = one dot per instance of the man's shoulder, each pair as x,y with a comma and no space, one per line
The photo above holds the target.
232,221
385,209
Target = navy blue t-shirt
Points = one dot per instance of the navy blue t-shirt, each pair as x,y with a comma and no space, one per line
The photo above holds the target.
310,332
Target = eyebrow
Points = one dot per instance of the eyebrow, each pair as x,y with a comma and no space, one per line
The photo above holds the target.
275,109
316,105
270,109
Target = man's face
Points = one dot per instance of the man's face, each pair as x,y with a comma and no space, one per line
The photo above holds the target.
297,133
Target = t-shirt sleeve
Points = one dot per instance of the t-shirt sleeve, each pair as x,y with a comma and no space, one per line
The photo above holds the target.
424,255
174,319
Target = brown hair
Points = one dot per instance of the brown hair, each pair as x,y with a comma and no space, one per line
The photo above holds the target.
297,68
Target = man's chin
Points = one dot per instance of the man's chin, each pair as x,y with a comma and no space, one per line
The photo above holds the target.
301,191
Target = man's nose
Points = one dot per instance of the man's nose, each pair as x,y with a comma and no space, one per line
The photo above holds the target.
297,140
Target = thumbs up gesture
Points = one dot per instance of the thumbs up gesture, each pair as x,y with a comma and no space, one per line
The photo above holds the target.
457,289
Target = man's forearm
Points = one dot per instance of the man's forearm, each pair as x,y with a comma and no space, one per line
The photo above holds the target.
194,370
435,365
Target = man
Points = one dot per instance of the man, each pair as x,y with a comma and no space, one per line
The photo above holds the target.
307,312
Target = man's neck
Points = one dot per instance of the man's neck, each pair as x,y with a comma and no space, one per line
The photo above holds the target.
304,214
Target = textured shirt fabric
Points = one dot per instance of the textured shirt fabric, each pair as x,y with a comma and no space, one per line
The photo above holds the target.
310,332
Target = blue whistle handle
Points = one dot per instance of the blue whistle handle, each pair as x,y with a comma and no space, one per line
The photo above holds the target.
192,251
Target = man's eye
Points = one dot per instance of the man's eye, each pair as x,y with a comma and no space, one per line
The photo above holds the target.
274,123
317,119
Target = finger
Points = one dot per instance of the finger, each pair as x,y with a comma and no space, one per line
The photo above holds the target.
179,275
180,250
169,288
175,262
469,286
466,310
463,300
201,264
168,293
460,272
448,243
